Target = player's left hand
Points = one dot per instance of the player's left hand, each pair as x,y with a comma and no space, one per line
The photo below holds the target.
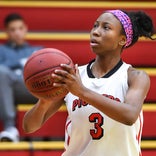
69,78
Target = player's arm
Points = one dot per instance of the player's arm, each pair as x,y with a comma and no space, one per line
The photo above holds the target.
126,112
39,114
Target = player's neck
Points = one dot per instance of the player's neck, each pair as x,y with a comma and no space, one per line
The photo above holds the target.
103,65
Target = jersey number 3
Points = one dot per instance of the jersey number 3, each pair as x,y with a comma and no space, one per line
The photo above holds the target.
97,132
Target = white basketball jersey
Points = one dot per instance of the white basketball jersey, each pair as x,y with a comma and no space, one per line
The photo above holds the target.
89,132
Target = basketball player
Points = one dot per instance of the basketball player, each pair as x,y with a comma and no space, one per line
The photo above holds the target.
105,96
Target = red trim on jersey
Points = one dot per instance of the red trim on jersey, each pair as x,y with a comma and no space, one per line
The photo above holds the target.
66,127
67,124
140,130
68,140
138,137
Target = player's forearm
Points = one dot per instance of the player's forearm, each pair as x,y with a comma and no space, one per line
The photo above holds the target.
118,111
34,118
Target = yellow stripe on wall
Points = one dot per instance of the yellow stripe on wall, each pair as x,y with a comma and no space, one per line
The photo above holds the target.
60,36
148,144
55,145
38,145
26,107
78,4
53,36
149,107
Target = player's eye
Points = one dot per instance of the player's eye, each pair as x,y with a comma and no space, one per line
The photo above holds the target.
106,27
95,25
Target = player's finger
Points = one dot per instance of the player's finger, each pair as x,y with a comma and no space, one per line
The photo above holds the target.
77,70
62,85
63,73
68,68
57,78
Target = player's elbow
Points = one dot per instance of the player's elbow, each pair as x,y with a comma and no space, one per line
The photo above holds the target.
130,120
129,123
28,129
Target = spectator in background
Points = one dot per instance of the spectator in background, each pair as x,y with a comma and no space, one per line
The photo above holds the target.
13,55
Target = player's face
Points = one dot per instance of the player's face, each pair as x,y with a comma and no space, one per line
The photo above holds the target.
106,34
16,31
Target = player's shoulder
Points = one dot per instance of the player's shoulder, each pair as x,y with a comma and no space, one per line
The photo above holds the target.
134,72
137,72
137,75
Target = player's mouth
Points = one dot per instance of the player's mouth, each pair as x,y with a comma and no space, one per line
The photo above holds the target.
94,43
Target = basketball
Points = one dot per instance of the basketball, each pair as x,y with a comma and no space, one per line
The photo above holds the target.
38,70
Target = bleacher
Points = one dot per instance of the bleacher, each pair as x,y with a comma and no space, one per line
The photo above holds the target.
65,25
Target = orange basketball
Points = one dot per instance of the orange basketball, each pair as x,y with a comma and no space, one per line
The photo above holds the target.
38,70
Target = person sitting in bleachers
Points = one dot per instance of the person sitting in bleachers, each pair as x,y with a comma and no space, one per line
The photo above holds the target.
13,55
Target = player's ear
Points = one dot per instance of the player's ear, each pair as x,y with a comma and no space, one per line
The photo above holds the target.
122,41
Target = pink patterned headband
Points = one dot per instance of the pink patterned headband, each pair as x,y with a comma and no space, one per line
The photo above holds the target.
126,23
